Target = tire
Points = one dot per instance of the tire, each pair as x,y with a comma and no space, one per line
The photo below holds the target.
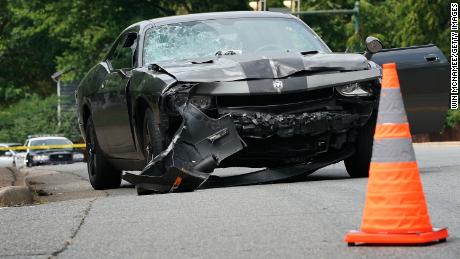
153,140
29,163
358,164
153,143
101,174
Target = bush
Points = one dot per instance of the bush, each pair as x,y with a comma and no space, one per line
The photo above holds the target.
36,115
453,118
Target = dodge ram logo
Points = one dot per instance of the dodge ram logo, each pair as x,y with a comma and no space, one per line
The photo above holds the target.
278,85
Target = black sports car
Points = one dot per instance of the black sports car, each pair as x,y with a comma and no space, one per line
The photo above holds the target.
179,96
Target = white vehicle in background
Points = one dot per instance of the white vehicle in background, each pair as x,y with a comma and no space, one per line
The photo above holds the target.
7,154
45,150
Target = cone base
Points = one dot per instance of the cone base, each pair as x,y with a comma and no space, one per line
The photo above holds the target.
437,235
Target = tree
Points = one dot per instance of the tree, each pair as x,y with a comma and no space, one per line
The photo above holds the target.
39,37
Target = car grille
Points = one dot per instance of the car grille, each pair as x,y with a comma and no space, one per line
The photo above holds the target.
274,99
60,157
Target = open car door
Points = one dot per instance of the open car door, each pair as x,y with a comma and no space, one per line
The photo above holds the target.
424,77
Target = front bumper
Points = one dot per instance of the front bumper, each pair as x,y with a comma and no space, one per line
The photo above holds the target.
285,130
263,130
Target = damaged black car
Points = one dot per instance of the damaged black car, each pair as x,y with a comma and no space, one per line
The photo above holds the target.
177,97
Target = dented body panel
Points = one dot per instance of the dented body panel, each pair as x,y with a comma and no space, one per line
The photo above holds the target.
278,110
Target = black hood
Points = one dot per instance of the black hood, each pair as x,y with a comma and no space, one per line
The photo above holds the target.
233,68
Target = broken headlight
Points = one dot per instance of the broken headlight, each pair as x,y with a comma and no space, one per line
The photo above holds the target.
354,89
202,102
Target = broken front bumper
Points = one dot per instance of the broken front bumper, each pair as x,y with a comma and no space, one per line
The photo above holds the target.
196,150
294,135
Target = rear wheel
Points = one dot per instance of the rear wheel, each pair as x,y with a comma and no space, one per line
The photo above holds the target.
101,174
358,164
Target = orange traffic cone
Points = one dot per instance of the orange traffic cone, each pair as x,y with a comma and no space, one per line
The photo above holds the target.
395,211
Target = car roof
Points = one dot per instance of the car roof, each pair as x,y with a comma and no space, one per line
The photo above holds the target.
42,138
10,144
219,15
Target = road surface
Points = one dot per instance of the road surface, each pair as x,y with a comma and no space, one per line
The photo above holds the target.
306,219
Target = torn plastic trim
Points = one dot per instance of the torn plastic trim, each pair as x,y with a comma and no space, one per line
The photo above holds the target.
195,151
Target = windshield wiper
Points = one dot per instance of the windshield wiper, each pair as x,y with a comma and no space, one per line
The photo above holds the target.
309,52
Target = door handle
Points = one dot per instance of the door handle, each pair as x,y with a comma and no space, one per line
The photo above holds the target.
431,58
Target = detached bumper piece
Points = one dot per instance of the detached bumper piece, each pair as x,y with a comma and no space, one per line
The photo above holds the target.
195,151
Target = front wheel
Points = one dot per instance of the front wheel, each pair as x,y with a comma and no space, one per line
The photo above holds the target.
358,164
101,174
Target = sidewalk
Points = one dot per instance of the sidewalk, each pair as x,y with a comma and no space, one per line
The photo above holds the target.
13,190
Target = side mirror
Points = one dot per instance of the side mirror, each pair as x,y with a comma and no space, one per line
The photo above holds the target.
8,153
373,45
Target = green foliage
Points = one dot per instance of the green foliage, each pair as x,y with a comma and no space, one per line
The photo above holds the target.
36,115
39,37
453,118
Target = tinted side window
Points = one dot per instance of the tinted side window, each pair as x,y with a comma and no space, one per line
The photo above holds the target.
123,56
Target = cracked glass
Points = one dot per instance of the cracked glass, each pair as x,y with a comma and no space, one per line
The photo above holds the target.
242,36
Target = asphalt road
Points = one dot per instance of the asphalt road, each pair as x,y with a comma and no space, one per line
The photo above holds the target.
306,219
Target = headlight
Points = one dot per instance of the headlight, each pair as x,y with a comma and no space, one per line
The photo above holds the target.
202,102
353,89
41,158
78,156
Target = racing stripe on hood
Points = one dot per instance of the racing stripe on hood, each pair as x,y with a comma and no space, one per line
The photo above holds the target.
270,69
291,84
257,69
234,68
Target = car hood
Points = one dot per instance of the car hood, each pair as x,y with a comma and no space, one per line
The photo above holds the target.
233,68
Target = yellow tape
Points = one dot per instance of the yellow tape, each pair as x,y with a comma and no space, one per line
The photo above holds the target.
82,145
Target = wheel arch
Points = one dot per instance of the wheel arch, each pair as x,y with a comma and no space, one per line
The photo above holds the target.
85,114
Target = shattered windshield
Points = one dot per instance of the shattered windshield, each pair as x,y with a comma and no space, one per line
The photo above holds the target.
242,36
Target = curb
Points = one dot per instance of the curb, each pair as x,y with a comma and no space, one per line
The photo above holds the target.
16,195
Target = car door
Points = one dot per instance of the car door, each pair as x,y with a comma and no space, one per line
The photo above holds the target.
423,73
110,110
6,157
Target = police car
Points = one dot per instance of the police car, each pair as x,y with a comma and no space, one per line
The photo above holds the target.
44,150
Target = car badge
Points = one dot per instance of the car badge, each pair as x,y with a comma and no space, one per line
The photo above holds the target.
278,85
